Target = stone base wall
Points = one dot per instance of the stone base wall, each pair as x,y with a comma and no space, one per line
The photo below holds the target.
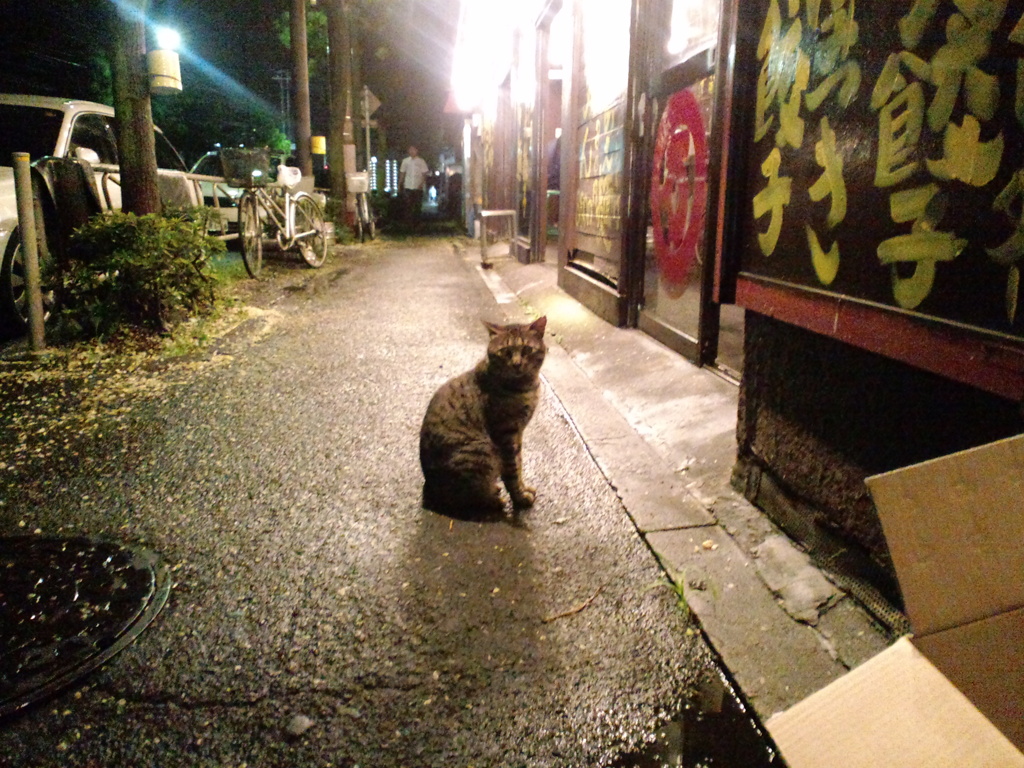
817,416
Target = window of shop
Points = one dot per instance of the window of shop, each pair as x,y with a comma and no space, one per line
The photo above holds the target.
600,139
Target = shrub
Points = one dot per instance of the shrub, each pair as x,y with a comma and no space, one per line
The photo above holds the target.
334,210
146,272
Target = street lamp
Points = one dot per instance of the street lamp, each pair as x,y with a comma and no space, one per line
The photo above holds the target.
168,38
164,66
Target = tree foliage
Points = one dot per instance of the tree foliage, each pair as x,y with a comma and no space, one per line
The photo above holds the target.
199,118
316,39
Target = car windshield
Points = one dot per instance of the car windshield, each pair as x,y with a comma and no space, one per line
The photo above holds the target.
166,155
28,129
208,165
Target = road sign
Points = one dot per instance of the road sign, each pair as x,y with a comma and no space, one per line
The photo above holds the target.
371,102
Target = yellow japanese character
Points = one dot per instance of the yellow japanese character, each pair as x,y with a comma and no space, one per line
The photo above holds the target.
1010,252
767,84
839,33
923,248
966,157
772,199
899,130
783,78
831,180
826,265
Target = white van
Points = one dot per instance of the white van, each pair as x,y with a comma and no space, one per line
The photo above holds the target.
65,128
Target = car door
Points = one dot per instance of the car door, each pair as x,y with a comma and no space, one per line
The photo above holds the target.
177,189
94,140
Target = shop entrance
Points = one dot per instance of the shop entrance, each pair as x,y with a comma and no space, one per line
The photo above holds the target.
678,276
555,45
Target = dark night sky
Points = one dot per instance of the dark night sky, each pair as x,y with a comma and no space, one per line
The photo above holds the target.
406,63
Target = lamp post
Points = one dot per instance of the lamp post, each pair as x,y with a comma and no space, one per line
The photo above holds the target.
163,63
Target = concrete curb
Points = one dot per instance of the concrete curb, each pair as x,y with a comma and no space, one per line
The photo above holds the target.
652,422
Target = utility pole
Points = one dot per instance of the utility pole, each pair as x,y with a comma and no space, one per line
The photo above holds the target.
135,138
300,79
340,146
366,122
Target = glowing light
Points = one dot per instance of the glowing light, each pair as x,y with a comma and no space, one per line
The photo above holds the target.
167,39
560,40
694,27
483,51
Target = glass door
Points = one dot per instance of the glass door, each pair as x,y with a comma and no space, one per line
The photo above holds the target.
677,308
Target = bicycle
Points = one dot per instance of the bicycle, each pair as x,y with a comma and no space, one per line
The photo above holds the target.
268,208
365,223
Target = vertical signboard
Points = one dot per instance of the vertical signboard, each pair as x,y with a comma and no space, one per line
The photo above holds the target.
884,155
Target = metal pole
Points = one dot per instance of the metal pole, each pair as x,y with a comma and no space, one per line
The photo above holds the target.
366,122
29,248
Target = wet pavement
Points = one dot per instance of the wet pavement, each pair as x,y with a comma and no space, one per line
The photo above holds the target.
318,615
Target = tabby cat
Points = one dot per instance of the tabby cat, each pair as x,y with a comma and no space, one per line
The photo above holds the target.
472,433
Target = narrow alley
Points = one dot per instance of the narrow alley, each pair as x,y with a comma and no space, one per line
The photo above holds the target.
318,615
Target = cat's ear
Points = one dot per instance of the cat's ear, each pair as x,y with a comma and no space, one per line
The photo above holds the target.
493,328
539,325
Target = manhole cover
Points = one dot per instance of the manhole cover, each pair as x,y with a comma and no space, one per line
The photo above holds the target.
67,606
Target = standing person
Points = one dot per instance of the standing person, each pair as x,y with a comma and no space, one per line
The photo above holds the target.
412,179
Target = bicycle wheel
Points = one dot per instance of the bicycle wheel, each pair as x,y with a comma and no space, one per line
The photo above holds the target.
250,232
368,225
361,217
309,226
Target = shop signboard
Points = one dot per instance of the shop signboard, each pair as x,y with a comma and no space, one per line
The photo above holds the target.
883,156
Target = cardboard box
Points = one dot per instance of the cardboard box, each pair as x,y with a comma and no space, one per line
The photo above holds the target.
953,694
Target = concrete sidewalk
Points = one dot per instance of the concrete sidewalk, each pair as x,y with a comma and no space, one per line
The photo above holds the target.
663,432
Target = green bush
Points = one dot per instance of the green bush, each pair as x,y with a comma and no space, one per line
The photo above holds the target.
384,206
334,210
145,272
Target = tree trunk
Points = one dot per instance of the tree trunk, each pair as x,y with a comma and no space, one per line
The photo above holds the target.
135,140
300,81
340,132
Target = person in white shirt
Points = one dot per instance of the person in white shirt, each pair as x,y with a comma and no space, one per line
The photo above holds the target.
412,180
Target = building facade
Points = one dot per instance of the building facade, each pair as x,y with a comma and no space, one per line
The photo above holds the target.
821,201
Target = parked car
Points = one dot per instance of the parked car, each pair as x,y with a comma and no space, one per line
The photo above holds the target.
47,127
226,198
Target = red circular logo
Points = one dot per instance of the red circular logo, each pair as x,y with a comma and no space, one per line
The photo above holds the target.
679,189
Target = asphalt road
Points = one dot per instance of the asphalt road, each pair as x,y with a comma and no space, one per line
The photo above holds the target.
319,615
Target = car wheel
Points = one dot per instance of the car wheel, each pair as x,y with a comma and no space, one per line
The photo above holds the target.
14,292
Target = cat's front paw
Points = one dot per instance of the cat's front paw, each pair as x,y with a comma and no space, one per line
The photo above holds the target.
524,498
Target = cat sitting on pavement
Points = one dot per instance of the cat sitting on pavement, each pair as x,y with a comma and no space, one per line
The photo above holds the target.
472,433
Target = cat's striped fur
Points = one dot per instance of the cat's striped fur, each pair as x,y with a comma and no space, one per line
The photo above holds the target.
472,433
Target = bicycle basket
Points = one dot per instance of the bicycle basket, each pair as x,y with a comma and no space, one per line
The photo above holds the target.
358,182
245,167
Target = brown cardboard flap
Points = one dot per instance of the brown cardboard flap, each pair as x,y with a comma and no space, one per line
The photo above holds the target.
955,530
985,660
894,711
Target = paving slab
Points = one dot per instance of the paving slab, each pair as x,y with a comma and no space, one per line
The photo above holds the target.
655,497
802,590
755,638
